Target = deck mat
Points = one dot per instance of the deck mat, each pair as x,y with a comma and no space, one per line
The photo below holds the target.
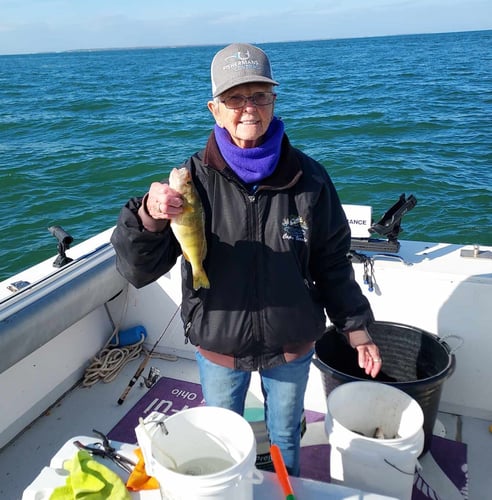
170,396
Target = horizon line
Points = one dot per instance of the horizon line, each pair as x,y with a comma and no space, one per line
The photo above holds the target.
185,45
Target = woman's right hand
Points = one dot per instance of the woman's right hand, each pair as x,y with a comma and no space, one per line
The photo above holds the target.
163,202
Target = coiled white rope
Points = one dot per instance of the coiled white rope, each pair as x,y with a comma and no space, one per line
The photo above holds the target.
108,363
110,360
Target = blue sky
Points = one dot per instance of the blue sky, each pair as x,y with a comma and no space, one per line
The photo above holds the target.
56,25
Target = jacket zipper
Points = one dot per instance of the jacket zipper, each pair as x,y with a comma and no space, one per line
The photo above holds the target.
254,237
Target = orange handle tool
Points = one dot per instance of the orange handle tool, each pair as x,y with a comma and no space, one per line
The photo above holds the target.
281,470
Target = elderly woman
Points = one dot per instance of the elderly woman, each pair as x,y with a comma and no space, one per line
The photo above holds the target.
277,242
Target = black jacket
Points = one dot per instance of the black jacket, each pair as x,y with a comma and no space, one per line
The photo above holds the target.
276,260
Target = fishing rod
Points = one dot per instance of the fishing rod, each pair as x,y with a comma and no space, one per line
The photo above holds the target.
143,364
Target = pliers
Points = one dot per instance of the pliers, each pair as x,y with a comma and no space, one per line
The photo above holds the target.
105,450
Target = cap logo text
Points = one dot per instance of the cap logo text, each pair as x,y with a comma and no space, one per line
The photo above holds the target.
240,60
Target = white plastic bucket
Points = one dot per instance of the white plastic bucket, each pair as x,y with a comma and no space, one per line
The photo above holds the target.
359,460
207,453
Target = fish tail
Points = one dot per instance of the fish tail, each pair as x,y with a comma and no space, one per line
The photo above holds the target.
200,279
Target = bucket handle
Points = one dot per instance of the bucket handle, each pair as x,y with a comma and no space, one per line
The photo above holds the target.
460,344
370,458
386,461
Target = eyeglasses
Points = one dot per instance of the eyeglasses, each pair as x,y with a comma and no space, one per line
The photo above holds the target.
258,99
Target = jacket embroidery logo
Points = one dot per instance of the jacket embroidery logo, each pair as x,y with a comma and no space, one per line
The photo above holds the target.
294,228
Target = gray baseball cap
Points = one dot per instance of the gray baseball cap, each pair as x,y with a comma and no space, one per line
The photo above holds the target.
239,63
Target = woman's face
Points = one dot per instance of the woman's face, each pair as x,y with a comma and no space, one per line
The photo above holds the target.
248,123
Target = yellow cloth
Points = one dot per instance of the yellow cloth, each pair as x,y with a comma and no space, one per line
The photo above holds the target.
90,480
139,480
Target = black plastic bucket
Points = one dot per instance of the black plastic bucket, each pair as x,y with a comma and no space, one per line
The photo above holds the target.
414,361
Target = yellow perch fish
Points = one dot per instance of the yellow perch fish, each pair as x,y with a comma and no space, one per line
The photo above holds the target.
189,227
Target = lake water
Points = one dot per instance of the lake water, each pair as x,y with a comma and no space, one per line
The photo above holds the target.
81,132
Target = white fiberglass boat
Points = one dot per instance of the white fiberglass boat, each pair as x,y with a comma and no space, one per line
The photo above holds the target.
53,321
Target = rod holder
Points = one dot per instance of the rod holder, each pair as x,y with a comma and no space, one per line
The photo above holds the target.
64,242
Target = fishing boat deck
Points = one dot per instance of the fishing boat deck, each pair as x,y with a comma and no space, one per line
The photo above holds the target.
67,316
83,409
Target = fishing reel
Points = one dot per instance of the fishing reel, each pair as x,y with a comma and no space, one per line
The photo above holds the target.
150,380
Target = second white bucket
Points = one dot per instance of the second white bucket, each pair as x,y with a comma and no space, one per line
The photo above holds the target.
200,453
359,460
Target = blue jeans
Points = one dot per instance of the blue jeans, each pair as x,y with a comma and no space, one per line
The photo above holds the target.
283,389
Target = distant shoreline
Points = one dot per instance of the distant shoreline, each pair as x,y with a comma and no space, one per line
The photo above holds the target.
181,46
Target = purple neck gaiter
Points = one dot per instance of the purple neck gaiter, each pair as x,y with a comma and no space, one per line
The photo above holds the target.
252,164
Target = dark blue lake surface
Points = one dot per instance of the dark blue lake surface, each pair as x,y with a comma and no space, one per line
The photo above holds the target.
81,132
